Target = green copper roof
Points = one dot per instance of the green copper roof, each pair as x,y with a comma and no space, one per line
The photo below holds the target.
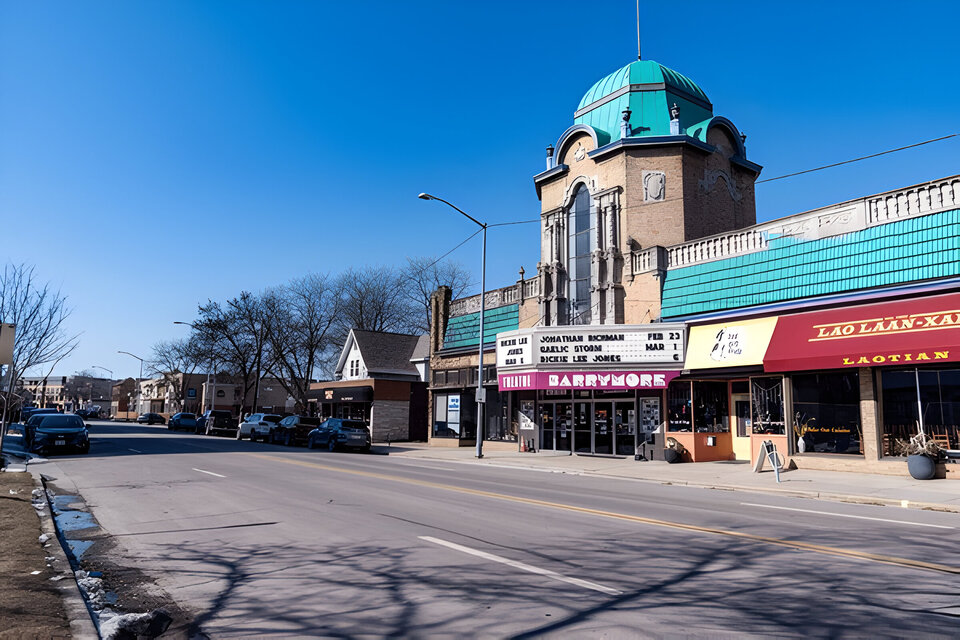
922,248
649,90
463,331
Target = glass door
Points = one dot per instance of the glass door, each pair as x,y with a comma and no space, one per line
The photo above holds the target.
563,423
603,427
582,419
547,426
743,427
625,427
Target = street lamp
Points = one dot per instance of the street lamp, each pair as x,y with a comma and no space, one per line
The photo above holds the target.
481,392
139,380
96,366
213,398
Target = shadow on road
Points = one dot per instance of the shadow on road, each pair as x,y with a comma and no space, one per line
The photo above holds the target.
683,588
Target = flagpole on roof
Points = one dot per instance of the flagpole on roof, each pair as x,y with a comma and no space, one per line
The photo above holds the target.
639,57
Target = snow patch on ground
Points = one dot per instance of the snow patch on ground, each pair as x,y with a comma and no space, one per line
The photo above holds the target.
113,625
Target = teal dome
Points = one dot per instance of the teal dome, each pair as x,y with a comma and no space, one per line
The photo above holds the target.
649,90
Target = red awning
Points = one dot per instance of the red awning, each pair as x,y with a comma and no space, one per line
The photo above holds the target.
903,332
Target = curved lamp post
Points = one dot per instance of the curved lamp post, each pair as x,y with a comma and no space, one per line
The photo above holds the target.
139,380
481,392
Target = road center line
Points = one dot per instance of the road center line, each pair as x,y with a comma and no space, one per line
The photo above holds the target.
523,566
845,515
210,473
749,537
135,450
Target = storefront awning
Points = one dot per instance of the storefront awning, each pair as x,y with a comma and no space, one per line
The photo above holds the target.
342,394
737,343
903,332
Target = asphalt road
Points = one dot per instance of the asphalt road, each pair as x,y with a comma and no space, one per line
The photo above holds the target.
259,540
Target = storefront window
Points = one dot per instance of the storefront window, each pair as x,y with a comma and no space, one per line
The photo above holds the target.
939,396
499,426
446,416
678,407
827,412
711,409
766,400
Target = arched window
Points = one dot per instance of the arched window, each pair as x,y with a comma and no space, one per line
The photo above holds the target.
581,234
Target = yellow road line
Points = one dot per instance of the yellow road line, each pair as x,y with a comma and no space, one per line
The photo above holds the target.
803,546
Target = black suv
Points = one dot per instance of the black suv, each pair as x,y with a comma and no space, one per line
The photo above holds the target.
44,433
218,422
293,430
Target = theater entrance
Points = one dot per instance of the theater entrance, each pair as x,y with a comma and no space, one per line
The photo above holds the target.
588,425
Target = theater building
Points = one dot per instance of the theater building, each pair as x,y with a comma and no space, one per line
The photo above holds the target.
830,332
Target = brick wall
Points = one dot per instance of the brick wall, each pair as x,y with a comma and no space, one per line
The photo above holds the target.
389,420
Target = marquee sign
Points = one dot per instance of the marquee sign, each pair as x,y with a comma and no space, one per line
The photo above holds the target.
602,380
595,346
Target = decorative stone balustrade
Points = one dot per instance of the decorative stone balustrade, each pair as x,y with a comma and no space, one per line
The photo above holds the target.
514,294
854,215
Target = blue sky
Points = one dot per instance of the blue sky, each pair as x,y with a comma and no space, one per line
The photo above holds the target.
156,154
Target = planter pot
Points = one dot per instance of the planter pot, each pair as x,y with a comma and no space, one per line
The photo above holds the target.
921,467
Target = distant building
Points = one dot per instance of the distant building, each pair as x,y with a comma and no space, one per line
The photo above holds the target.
381,380
68,393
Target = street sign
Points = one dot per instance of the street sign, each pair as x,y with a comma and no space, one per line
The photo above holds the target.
7,332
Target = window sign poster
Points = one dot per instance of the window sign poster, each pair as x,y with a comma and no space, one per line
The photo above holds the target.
453,403
526,415
649,414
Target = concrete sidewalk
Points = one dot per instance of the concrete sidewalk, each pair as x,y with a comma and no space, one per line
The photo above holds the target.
941,495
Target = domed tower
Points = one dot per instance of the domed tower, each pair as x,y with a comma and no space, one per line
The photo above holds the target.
646,163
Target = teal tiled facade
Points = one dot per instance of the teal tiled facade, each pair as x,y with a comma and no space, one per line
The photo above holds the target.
912,250
463,331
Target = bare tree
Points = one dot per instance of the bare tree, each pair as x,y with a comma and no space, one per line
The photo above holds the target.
175,361
302,315
40,314
422,276
235,335
373,299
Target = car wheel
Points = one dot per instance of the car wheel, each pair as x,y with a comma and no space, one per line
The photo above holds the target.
288,439
332,444
311,443
365,449
85,449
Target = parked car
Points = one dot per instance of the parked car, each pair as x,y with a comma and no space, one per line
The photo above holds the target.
293,430
217,422
257,426
182,420
44,433
150,418
335,433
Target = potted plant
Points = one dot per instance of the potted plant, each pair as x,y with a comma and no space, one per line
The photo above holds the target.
801,428
922,455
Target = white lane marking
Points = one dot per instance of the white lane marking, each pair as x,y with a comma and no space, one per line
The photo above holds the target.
523,567
210,473
136,450
846,515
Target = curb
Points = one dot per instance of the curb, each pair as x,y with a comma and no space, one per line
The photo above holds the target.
792,493
82,626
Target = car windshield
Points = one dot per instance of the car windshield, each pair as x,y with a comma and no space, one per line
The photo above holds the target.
352,424
60,422
311,421
271,418
190,416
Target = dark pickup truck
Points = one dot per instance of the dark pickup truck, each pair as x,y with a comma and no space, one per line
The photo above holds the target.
294,430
